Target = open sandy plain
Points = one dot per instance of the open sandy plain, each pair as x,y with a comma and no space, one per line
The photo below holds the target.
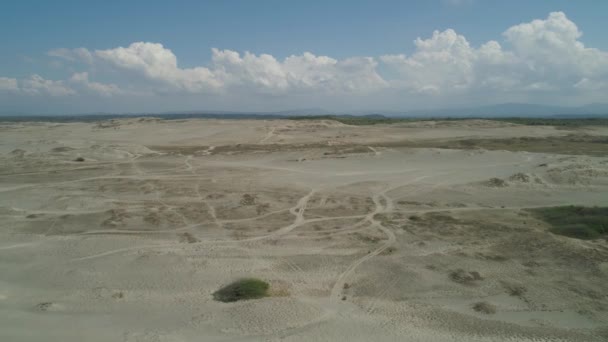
405,232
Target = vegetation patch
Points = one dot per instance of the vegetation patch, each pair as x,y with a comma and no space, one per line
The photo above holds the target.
44,306
565,122
578,222
515,290
355,120
496,183
188,238
463,277
243,289
484,307
248,199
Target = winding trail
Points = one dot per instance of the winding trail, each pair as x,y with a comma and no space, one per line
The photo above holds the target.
336,290
189,166
268,135
297,210
376,152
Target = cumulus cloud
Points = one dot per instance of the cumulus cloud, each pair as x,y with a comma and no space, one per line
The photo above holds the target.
8,84
156,62
102,89
446,60
78,54
304,72
229,69
544,55
587,84
551,48
37,85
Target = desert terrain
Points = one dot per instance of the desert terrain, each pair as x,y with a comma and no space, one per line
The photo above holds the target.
122,230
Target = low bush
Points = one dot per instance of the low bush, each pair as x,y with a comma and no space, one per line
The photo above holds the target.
484,307
576,221
243,289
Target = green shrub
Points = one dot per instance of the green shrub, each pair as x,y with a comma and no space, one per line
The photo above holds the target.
484,307
243,289
576,221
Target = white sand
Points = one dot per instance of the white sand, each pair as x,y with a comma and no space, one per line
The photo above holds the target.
130,244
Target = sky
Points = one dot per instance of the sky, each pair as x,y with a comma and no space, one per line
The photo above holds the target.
67,57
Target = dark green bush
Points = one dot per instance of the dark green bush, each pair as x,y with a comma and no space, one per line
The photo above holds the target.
576,221
243,289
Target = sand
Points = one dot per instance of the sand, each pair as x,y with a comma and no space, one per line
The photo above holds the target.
402,232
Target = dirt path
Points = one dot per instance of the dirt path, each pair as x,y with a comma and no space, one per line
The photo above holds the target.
268,135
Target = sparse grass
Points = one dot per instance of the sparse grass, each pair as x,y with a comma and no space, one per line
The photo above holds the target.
579,222
248,199
380,119
578,122
44,306
463,277
496,183
492,257
243,289
188,237
515,290
118,295
367,238
484,307
355,120
389,251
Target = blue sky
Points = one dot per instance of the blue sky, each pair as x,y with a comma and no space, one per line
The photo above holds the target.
362,54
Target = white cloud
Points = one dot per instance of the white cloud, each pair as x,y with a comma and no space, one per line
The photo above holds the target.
38,85
102,89
586,84
8,84
256,73
444,61
305,72
542,56
551,46
78,54
546,55
158,63
35,85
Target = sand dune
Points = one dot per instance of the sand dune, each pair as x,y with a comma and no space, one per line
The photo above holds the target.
364,233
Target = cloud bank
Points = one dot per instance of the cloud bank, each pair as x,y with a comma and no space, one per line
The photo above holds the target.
543,56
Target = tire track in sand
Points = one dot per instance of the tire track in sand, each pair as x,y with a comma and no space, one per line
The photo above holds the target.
380,208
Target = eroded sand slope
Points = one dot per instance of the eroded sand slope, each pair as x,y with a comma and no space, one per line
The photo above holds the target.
368,233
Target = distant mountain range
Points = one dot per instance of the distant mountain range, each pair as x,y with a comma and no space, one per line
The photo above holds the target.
509,109
491,111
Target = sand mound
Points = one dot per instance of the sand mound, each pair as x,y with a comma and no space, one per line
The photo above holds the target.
268,315
520,177
17,153
525,178
115,124
458,123
495,182
575,174
315,124
62,149
400,244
